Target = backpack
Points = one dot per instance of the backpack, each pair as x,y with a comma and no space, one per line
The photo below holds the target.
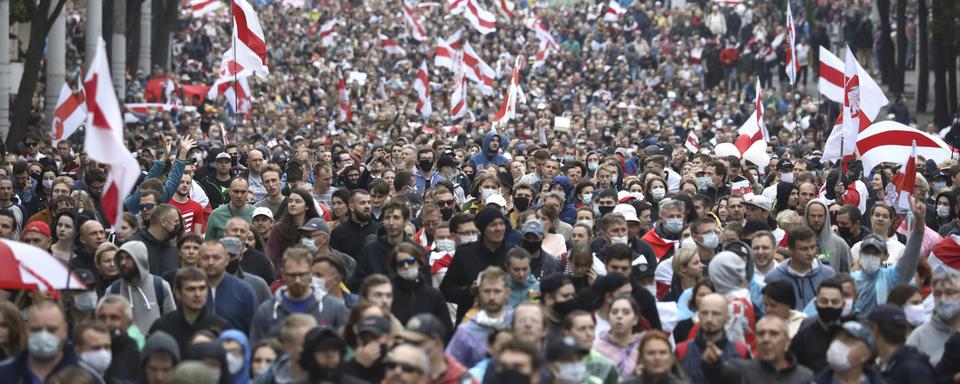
682,348
157,290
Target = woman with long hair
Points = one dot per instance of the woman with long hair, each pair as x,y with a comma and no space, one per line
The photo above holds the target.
64,232
413,292
688,268
340,207
294,213
659,364
881,223
619,344
12,333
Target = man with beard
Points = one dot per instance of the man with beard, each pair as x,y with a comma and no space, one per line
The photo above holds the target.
469,343
190,210
159,238
149,295
349,237
47,351
323,357
710,341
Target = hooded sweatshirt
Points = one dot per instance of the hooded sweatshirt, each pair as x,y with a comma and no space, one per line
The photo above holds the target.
569,212
163,256
242,377
483,159
804,285
210,350
160,341
833,249
728,272
269,316
142,296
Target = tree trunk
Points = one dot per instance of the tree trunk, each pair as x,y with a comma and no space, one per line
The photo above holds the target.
923,68
133,34
885,54
901,68
23,104
938,27
165,20
950,57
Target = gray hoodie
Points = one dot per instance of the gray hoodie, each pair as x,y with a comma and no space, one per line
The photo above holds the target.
160,341
142,297
834,250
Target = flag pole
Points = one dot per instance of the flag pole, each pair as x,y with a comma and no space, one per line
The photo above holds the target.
236,92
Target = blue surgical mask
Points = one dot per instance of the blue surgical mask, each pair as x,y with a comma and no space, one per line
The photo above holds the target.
674,226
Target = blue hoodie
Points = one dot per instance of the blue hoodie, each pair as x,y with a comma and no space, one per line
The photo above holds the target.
242,377
481,160
569,212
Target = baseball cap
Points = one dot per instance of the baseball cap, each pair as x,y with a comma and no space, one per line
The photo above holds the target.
561,347
784,165
232,244
759,201
263,211
36,226
316,224
324,338
947,164
624,196
888,316
423,327
627,211
496,199
223,156
873,240
533,227
376,325
859,331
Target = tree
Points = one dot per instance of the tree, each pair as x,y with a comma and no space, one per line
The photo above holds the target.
42,15
885,50
165,20
898,84
940,30
923,69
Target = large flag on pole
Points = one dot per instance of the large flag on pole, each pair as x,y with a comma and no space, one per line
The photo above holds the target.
69,115
905,181
831,85
793,66
458,95
413,21
104,137
251,46
422,85
343,94
888,140
508,110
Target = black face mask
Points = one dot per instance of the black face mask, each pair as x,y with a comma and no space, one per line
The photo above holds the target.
176,232
426,165
447,213
844,232
604,210
233,266
521,203
532,246
501,375
829,315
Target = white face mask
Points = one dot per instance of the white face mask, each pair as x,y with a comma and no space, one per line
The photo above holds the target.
652,288
467,239
916,316
943,211
837,356
787,177
409,273
99,359
619,240
485,193
319,285
234,363
658,193
688,243
711,240
870,264
445,245
571,372
309,243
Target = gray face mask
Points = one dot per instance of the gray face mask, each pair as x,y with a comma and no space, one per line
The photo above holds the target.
43,345
86,302
673,226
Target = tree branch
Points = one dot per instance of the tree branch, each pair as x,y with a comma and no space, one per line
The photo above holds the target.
53,17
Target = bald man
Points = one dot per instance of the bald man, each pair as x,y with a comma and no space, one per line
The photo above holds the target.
714,315
773,364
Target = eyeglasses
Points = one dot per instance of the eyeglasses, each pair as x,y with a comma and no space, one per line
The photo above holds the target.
405,262
405,367
447,203
148,206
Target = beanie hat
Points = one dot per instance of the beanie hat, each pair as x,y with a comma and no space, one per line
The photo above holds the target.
486,216
609,283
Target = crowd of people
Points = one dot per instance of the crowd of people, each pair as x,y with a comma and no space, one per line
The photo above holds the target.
287,245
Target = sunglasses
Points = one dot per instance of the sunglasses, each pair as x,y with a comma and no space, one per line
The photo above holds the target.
405,262
447,203
30,144
148,206
405,367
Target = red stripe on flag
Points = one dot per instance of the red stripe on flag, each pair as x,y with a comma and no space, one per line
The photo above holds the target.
246,35
901,138
830,74
483,23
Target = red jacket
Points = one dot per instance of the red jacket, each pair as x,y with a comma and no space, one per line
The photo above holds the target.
456,373
729,57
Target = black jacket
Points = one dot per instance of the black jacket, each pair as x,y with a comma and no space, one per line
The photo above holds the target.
84,259
469,261
373,258
162,255
908,365
175,324
255,262
812,352
414,297
949,364
870,371
125,365
349,237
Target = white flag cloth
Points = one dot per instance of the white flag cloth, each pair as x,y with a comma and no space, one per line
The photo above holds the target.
327,32
422,85
793,66
104,137
508,110
70,114
832,80
751,144
251,46
887,141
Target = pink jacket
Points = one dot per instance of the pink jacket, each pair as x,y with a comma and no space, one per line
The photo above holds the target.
624,358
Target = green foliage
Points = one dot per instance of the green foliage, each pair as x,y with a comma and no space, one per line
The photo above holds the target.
19,12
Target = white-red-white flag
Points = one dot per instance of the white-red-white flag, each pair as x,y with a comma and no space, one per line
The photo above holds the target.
693,142
888,140
199,8
751,144
251,46
613,11
343,94
458,94
482,20
413,21
793,66
831,84
104,137
422,85
506,7
238,95
70,114
508,110
391,46
905,181
446,50
478,70
327,32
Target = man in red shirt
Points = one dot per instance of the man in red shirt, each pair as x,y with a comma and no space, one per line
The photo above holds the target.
190,210
729,57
